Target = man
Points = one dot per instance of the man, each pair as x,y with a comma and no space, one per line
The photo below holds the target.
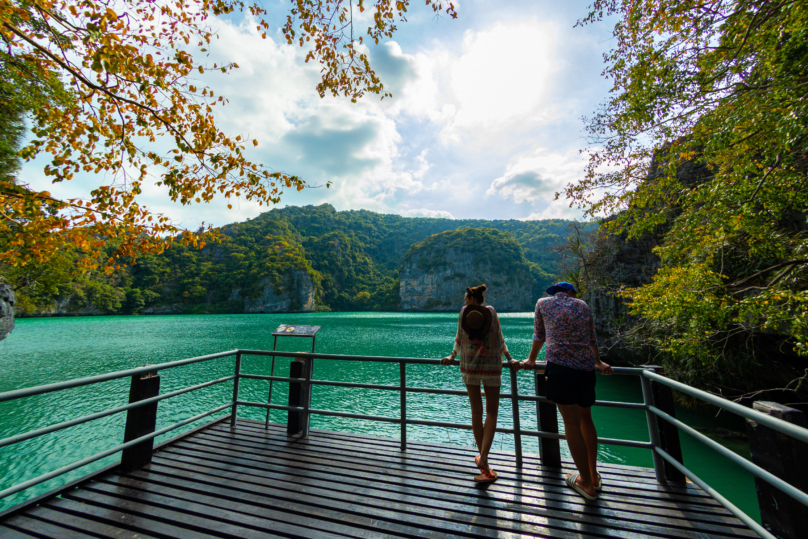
566,325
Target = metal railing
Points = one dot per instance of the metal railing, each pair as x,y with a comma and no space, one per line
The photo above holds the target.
778,425
647,377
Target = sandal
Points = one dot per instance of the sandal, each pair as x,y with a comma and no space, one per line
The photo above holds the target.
570,480
487,476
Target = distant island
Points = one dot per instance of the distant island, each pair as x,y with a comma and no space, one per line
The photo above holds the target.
314,258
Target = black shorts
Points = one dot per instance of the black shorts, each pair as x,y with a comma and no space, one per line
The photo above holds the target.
570,386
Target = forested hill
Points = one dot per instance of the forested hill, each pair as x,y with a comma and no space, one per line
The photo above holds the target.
290,259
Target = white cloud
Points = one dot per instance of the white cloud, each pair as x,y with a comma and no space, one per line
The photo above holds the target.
423,212
538,176
472,98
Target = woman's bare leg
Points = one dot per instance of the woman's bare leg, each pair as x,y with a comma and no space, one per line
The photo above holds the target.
476,401
490,426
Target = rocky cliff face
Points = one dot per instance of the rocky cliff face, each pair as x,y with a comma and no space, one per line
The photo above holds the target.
300,297
6,310
436,272
442,289
618,262
621,263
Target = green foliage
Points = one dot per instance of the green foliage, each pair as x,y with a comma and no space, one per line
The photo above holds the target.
485,245
710,96
352,259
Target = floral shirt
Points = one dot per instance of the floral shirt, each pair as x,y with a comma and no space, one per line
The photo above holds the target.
566,324
481,359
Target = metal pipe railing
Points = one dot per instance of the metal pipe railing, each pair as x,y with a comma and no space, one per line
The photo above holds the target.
772,422
444,424
648,405
78,421
728,505
98,456
78,382
750,467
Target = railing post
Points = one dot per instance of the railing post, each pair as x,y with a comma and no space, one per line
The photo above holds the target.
653,429
668,434
547,416
140,421
784,457
403,390
517,429
308,389
297,397
235,390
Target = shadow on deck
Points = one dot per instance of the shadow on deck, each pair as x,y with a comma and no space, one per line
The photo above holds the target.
249,482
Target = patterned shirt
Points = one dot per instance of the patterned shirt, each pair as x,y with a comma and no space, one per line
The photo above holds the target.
566,324
481,359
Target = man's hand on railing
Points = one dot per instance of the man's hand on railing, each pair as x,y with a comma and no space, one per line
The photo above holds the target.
528,365
604,368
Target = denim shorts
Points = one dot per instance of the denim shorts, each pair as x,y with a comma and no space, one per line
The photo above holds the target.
566,385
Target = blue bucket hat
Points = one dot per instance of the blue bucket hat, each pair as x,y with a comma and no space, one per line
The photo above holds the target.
561,287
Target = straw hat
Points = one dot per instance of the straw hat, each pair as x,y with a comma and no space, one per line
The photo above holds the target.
476,321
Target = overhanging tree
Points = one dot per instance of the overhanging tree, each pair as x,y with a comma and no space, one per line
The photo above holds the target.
723,84
107,84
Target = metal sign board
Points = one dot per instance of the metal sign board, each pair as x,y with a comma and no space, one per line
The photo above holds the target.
294,330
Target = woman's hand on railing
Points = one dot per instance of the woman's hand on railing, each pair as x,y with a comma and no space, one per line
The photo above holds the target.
447,360
515,365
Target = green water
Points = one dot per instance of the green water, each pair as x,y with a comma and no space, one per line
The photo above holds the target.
41,351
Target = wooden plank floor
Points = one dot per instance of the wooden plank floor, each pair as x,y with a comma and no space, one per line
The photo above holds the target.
250,482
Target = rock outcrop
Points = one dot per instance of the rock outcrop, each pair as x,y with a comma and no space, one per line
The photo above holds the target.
163,309
6,310
437,271
299,297
621,263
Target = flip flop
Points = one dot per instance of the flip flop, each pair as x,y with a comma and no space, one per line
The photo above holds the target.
600,483
488,476
570,479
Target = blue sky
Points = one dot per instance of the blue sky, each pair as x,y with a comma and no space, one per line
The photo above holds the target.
485,120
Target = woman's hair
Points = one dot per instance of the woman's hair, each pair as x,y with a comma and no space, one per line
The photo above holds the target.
477,293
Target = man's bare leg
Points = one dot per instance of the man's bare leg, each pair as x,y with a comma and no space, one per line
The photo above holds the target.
590,434
571,414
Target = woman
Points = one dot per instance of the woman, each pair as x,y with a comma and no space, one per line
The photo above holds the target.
480,344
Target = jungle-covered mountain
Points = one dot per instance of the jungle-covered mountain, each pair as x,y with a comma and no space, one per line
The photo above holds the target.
290,257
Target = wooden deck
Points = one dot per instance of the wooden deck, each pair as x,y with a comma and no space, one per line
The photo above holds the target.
254,483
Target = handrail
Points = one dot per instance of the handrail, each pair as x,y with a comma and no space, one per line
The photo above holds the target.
98,415
728,505
784,427
646,376
78,382
750,467
98,456
779,425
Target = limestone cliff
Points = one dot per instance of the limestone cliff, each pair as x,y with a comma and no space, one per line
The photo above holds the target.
6,310
300,296
618,262
437,271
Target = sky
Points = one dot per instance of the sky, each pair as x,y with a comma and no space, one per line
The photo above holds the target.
484,122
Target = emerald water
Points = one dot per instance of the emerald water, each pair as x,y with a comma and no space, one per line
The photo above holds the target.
41,351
